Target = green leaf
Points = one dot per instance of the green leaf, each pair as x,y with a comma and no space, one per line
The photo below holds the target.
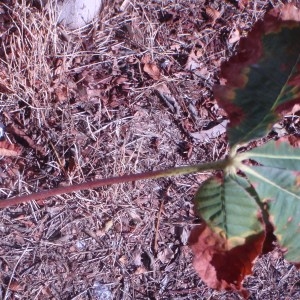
278,184
276,154
263,79
228,208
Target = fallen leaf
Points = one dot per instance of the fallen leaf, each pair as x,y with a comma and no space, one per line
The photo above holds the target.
136,255
15,286
61,93
93,93
150,67
7,149
46,291
21,134
140,270
202,73
4,82
165,94
165,255
134,215
213,14
192,61
107,226
210,133
120,80
123,260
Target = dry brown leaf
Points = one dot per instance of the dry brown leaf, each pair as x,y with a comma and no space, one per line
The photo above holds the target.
93,93
7,149
165,255
165,94
46,291
152,70
192,61
140,270
107,226
213,14
150,67
61,93
120,80
206,135
203,73
4,82
20,133
123,260
15,286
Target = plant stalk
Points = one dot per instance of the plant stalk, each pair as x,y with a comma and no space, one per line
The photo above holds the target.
218,165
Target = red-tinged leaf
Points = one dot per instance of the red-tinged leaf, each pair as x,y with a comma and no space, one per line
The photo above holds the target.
294,141
277,182
290,94
280,189
230,208
7,149
263,79
218,267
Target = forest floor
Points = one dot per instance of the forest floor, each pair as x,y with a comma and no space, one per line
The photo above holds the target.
131,93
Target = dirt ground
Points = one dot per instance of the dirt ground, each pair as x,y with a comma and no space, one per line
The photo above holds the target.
130,93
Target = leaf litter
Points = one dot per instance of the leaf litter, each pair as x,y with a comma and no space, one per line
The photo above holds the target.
86,99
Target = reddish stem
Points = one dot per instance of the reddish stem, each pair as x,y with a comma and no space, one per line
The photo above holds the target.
112,180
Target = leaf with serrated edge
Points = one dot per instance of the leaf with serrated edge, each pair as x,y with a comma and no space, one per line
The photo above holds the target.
281,190
275,154
262,79
228,208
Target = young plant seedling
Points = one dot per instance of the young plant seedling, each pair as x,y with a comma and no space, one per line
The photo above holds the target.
258,188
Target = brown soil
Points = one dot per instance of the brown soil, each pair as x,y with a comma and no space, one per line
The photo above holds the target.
131,93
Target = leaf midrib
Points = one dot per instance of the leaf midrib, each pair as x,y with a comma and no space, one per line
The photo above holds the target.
250,171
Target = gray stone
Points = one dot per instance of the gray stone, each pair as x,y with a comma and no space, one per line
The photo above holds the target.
75,14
